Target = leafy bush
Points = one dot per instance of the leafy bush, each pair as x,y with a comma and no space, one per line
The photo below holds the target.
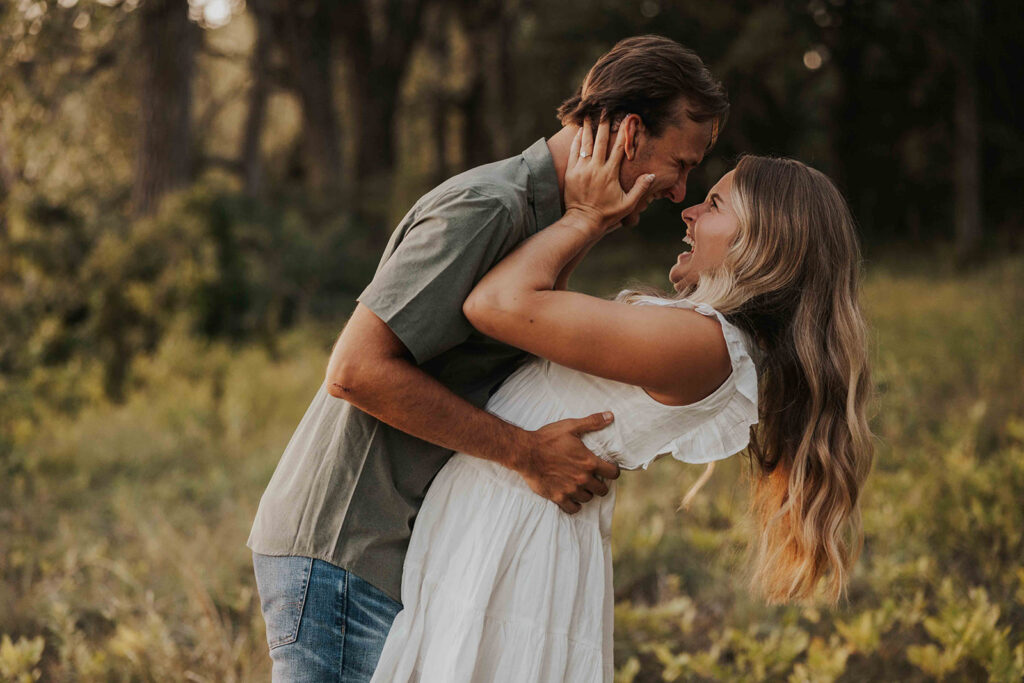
123,551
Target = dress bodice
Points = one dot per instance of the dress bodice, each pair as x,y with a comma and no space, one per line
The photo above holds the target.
541,392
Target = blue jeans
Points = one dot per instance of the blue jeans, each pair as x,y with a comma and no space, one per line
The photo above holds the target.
323,622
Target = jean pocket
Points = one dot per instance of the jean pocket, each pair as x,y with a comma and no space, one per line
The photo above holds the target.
283,583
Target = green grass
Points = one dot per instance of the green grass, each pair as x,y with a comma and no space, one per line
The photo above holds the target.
122,551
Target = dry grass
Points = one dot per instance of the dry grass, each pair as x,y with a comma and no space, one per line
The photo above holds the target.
124,527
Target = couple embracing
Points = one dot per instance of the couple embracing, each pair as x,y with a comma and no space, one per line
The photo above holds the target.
443,511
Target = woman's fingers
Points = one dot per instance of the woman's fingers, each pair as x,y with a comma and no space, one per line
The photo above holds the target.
587,141
574,148
619,149
601,142
639,189
596,187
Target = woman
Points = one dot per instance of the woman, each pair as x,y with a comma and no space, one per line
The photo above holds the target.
499,584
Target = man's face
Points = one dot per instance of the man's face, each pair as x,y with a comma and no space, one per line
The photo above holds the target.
670,157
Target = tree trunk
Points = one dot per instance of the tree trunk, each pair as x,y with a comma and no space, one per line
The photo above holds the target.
167,47
501,81
437,104
7,175
483,104
852,120
477,144
306,29
259,65
966,147
375,96
377,53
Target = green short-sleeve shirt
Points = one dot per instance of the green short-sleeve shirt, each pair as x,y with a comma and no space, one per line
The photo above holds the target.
348,487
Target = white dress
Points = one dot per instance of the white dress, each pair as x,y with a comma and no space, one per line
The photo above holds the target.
499,584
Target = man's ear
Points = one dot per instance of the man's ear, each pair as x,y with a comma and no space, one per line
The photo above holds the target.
634,126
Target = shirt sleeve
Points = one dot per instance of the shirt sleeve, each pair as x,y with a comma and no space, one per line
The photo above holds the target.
420,287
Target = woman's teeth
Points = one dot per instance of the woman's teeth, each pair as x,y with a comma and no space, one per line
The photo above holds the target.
688,240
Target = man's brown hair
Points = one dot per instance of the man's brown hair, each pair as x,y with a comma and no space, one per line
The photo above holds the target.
648,76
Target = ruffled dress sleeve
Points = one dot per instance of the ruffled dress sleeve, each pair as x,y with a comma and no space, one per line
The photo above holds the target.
711,429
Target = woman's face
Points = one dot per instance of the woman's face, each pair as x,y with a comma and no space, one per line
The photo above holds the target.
710,229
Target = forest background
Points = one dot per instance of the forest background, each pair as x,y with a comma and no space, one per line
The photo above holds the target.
193,193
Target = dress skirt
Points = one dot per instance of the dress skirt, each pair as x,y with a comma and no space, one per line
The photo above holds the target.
517,591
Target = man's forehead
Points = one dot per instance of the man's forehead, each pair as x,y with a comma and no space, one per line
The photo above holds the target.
692,139
706,131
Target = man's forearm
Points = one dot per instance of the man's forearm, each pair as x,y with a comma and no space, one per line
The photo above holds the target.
416,403
371,368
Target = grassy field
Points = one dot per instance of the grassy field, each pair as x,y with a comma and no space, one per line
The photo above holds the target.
122,530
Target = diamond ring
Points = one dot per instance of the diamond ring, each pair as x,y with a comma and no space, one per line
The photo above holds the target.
584,155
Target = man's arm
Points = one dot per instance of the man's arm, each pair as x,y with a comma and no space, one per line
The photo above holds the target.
371,368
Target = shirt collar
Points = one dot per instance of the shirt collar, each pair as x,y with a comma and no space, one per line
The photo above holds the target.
543,188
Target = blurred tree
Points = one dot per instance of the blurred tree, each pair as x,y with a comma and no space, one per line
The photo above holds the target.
467,98
434,99
1000,71
259,92
862,42
7,174
378,40
106,106
908,124
967,137
167,42
305,32
65,94
482,104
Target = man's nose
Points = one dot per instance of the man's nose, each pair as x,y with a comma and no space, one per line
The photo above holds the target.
677,193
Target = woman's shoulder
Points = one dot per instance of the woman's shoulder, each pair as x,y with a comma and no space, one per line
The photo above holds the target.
714,427
740,344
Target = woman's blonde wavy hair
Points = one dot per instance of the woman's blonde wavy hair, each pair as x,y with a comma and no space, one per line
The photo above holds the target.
791,280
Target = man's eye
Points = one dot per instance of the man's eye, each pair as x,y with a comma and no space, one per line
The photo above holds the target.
714,204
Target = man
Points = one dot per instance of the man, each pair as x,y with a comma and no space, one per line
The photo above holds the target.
331,532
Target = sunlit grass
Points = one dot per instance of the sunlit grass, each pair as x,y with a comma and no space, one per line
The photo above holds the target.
124,528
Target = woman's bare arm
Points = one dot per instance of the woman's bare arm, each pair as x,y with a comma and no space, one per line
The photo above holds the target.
678,356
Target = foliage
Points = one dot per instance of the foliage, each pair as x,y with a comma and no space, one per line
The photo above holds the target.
123,554
938,591
250,245
18,661
125,527
80,294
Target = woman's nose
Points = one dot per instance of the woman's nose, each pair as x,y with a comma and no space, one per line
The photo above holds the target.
690,213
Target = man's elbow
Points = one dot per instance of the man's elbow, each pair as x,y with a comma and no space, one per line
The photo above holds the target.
338,385
345,375
339,388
